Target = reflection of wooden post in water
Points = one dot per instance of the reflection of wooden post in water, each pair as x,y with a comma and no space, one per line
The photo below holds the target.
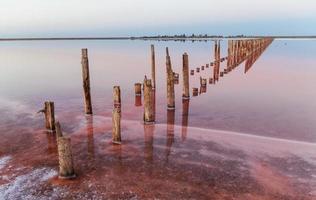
202,89
153,67
86,81
90,135
149,117
138,89
149,141
185,75
66,169
138,101
170,131
116,116
185,118
170,83
49,112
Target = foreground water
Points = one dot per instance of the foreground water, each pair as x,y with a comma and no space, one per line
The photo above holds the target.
251,135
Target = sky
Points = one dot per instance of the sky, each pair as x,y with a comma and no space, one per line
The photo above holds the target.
98,18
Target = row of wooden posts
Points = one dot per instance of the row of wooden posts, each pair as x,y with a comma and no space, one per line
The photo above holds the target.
237,52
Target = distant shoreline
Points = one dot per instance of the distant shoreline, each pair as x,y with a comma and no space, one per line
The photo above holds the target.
164,38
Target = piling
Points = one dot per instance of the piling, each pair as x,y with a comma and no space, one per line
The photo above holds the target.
49,115
203,81
138,89
195,91
170,83
185,75
153,66
66,166
176,78
58,130
149,115
86,81
210,80
116,116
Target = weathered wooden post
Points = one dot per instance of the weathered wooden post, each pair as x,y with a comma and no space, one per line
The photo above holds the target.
185,74
203,81
153,66
66,168
116,116
86,81
210,80
49,112
170,83
176,78
58,130
149,117
195,91
138,89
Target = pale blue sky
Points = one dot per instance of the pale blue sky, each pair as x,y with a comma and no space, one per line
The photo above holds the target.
66,18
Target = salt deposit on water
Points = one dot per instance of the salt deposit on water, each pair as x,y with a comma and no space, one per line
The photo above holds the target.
26,186
4,160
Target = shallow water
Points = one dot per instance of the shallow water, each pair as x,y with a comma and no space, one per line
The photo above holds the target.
251,135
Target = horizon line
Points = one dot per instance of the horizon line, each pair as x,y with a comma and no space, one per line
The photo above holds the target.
162,37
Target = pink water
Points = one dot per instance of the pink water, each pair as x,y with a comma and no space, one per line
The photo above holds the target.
250,136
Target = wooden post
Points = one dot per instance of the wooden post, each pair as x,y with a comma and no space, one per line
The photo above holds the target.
49,115
185,74
116,116
86,81
170,83
153,67
210,81
138,89
203,81
66,169
195,91
58,130
175,78
149,117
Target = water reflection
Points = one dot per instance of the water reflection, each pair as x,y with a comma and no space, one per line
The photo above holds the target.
170,132
138,101
149,141
185,118
90,137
